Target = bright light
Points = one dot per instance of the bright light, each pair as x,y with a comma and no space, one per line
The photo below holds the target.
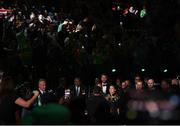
121,23
113,70
143,70
82,47
165,71
86,35
131,9
118,8
119,44
136,12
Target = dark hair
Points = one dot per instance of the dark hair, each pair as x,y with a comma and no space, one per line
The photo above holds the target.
115,86
97,90
6,85
104,74
97,80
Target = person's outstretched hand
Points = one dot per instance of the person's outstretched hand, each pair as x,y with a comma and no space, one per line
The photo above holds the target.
36,93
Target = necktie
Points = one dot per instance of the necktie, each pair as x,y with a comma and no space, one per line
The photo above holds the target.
39,101
77,91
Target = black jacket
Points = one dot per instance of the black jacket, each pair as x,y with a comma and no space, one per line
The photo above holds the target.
83,91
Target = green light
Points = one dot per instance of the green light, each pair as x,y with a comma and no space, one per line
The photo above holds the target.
143,13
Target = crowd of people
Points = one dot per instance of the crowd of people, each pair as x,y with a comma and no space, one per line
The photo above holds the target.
68,41
47,42
107,102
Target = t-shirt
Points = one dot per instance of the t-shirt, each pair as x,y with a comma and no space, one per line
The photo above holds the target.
8,108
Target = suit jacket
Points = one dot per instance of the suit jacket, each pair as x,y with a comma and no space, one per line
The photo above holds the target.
46,97
74,92
43,97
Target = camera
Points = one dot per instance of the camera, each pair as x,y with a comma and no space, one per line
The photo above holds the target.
67,94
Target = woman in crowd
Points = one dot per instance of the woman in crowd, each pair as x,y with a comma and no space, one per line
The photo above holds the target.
113,99
9,99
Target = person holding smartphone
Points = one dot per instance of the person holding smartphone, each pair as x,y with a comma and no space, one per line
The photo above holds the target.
9,100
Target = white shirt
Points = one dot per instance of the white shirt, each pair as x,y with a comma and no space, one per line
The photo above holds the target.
41,91
77,90
104,88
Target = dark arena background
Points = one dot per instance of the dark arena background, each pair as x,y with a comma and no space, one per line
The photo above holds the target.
76,47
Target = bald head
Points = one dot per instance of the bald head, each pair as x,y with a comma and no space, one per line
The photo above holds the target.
150,83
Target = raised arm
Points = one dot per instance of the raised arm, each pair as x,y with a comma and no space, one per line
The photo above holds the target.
26,104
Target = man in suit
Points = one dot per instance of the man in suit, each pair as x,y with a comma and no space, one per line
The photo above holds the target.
45,96
42,92
105,85
41,99
77,89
